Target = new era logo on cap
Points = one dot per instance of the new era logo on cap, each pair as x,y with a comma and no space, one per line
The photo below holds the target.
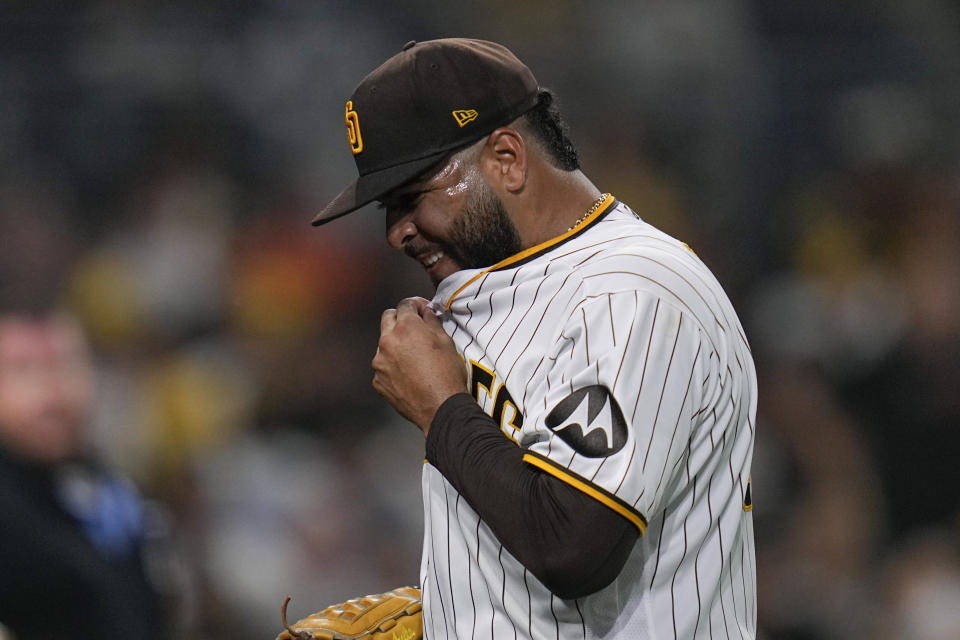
463,116
404,109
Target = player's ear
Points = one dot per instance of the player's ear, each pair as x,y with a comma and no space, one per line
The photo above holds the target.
504,159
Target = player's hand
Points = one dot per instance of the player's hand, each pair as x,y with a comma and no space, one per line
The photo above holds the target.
417,366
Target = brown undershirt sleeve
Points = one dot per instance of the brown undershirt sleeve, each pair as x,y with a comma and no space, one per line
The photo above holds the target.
572,543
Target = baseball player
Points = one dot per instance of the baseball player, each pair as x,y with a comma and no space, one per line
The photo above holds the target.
584,385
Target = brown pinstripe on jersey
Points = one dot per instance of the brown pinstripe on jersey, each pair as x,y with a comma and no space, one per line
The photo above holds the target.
619,305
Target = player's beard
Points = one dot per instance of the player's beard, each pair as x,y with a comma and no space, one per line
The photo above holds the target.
483,233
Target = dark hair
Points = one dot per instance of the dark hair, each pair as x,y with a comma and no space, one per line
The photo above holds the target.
550,130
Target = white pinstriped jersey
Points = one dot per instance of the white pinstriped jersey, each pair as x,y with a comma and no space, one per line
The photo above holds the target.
613,309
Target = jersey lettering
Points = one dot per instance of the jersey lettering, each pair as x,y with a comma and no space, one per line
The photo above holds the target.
480,376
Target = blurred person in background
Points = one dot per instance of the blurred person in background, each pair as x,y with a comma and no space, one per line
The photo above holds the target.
72,532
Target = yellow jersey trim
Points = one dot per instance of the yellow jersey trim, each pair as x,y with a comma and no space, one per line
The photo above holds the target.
594,492
526,253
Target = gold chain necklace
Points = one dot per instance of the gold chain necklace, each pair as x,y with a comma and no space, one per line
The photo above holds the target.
593,208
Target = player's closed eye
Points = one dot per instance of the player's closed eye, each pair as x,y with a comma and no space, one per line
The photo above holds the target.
401,202
398,206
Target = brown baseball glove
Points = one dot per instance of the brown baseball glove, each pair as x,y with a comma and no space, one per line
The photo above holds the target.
394,615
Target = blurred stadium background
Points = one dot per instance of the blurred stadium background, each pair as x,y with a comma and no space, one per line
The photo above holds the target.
160,162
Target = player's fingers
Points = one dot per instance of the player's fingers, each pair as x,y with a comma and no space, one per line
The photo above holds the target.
419,304
387,320
377,384
407,307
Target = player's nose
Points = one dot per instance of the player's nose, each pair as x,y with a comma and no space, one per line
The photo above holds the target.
401,232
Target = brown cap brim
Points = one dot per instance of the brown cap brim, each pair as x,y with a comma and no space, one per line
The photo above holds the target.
368,188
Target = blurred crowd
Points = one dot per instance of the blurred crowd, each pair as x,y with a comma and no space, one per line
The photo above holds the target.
160,163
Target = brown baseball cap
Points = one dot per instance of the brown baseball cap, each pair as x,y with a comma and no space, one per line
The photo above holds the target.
426,101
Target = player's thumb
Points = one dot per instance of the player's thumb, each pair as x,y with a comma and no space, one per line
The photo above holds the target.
430,317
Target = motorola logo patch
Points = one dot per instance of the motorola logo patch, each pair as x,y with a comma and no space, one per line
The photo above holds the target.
590,421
